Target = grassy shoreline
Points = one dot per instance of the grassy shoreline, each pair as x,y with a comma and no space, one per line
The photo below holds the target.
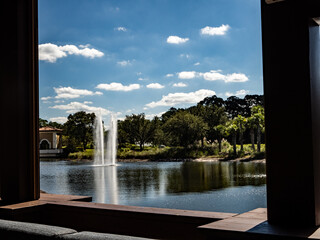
176,154
207,159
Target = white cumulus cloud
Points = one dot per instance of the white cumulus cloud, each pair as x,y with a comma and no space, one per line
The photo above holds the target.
176,40
69,92
121,29
74,107
236,77
238,93
180,84
173,99
46,98
187,74
169,75
187,56
212,31
214,75
124,63
61,120
155,86
84,46
50,52
118,87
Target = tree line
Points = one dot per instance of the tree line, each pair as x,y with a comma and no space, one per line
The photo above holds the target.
239,120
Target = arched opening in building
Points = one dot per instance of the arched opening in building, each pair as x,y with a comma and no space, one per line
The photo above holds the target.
44,144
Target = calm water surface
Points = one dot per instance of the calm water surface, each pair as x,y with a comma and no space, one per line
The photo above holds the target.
206,186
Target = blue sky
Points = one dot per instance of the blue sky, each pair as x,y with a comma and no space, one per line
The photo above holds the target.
126,56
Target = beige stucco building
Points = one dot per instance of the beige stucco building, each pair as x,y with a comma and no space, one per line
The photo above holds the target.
50,143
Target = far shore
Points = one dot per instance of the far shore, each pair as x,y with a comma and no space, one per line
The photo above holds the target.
202,159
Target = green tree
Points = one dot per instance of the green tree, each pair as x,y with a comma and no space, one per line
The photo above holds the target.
236,106
258,116
241,123
168,114
253,100
231,130
213,101
80,127
55,125
220,131
213,115
124,135
139,129
43,122
185,128
251,125
158,135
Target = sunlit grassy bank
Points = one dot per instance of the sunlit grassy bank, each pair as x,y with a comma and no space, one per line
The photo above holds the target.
179,153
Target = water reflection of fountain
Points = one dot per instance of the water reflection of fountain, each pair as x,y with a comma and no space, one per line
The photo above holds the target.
106,185
100,158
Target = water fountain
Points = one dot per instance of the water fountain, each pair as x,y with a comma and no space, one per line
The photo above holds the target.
100,158
112,140
99,141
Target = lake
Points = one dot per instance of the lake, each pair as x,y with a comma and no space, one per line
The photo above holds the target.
206,186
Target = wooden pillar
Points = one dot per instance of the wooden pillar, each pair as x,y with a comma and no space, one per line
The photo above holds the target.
19,160
292,104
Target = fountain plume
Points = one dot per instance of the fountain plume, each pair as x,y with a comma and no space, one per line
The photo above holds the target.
112,140
99,141
100,158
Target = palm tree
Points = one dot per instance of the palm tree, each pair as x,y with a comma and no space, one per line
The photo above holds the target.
240,121
251,124
220,131
258,115
232,130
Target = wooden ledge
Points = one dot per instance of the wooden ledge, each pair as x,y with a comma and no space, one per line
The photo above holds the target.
120,209
58,197
83,202
73,212
31,210
254,225
44,198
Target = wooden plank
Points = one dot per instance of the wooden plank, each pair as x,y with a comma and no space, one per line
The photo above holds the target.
138,221
57,197
23,205
254,225
315,235
44,199
239,224
147,210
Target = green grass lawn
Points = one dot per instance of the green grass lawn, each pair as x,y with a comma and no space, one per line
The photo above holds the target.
155,153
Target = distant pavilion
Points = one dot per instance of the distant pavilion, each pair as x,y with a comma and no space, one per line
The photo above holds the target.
50,143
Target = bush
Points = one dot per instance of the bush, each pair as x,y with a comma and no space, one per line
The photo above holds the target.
260,155
88,154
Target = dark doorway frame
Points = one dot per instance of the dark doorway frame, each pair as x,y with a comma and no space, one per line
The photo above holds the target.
290,70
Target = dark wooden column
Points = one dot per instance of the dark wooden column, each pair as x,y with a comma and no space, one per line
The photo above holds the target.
19,160
292,102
